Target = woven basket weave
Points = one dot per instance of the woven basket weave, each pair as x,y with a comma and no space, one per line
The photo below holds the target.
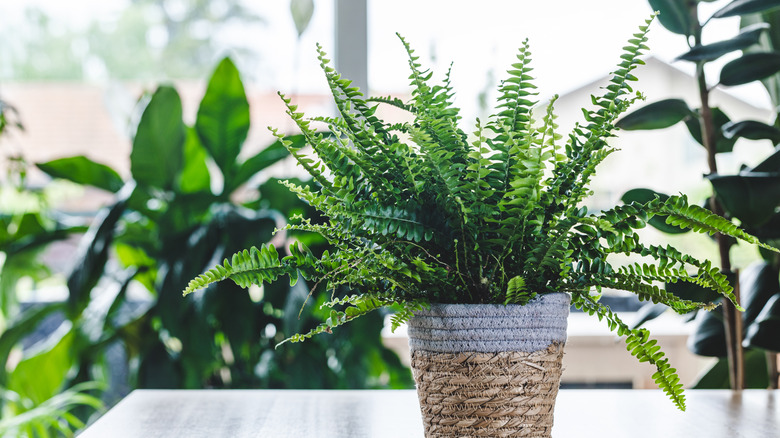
489,370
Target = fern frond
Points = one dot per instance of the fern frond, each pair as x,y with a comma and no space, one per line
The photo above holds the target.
359,305
640,346
256,266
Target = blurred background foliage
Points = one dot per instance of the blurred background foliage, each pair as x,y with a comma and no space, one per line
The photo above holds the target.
751,197
189,201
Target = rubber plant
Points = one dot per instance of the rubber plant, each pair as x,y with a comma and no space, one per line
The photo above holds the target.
420,212
750,196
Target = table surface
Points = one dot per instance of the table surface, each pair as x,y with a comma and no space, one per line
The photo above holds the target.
312,413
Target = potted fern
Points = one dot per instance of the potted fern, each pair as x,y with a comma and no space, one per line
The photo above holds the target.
479,242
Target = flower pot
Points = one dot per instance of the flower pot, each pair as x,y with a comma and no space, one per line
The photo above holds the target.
488,369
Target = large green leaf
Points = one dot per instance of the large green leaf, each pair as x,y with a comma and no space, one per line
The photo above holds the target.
757,283
195,175
271,154
747,37
42,373
750,67
648,312
752,130
709,337
93,253
657,115
22,326
763,332
770,164
691,291
646,195
717,377
719,118
157,153
744,7
82,170
750,197
769,42
223,118
674,15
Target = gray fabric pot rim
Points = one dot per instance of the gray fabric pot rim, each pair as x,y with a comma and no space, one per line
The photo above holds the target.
491,328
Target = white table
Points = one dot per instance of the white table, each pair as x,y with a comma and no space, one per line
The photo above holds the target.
313,414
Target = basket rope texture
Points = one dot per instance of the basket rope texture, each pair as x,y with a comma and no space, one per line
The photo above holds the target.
486,371
507,394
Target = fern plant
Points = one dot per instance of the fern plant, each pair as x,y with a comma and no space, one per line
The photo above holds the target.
423,212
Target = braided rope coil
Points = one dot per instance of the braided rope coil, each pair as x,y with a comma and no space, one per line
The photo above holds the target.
488,394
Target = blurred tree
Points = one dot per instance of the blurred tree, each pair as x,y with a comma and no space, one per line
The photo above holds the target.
146,40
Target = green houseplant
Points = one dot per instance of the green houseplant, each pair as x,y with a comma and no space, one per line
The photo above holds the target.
421,213
751,196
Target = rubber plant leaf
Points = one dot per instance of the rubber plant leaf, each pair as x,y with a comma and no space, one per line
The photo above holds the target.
657,115
708,338
762,333
750,67
645,195
752,130
719,118
673,15
744,7
751,197
756,375
747,37
757,284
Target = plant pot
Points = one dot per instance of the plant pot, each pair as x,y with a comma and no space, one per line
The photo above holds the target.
488,369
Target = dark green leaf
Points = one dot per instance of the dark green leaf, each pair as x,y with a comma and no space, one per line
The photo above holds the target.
273,153
223,118
744,7
158,145
751,130
746,38
82,170
674,15
709,338
750,67
769,42
648,312
93,253
757,283
646,195
750,197
657,115
717,377
691,291
719,118
763,332
770,164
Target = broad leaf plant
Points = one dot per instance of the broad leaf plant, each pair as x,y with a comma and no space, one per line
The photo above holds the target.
421,212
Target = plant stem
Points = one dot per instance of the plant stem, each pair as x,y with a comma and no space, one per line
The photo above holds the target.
731,319
771,360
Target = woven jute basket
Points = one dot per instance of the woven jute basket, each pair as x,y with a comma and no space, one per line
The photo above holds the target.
488,370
